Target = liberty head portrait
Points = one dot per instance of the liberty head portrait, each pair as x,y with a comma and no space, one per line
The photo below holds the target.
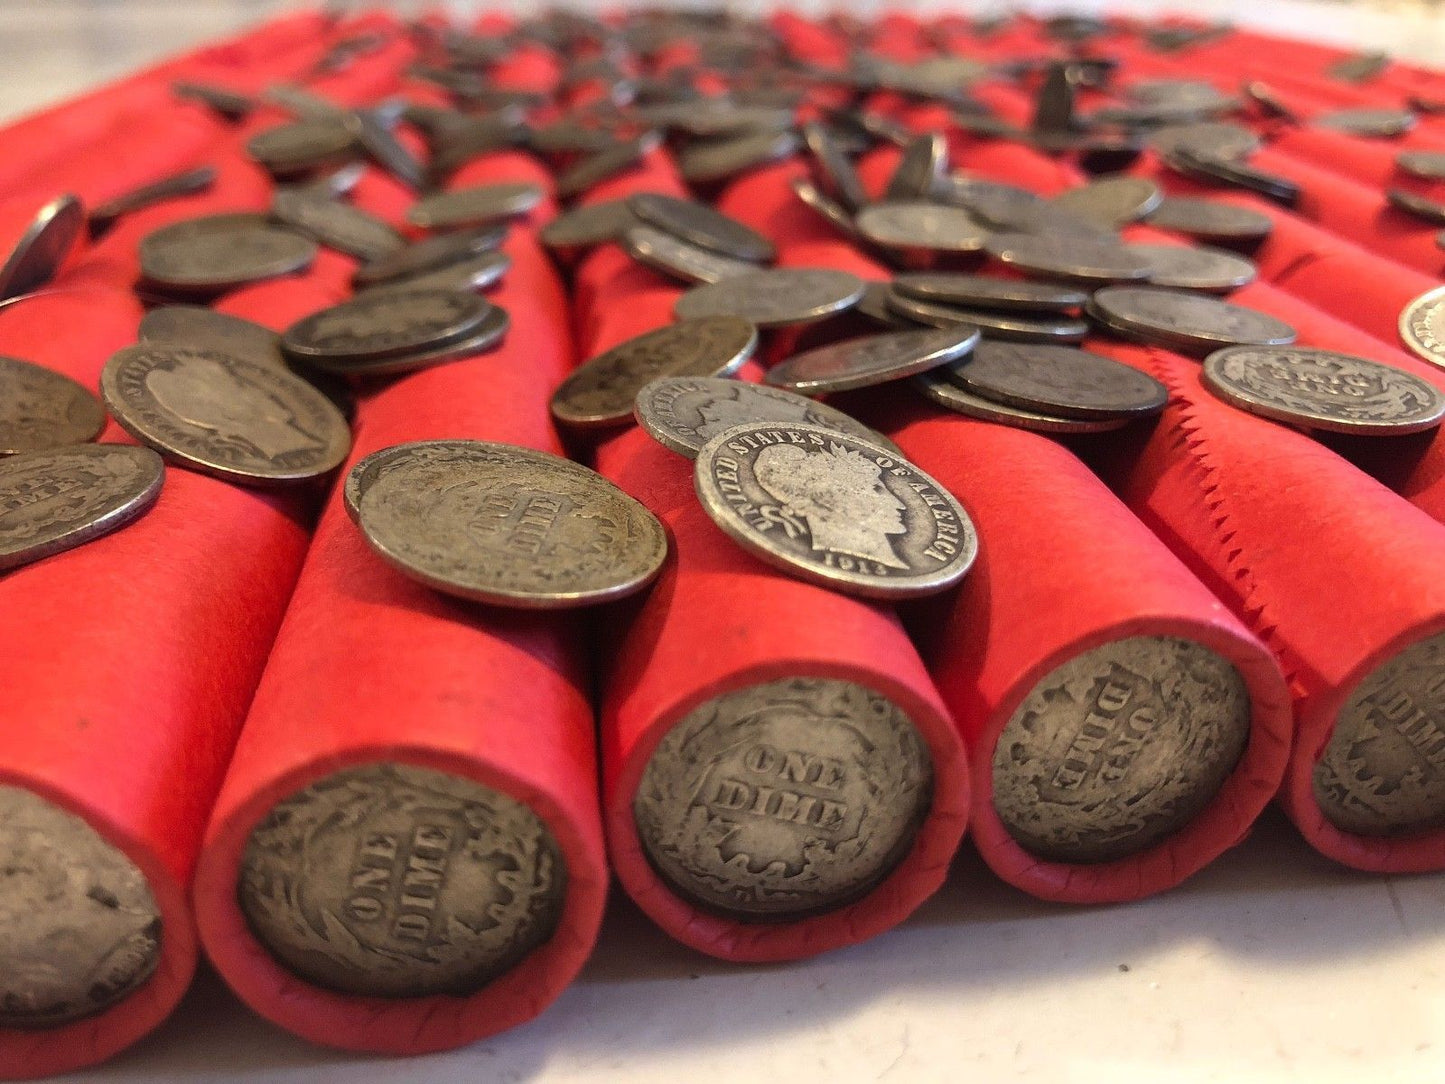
208,395
841,496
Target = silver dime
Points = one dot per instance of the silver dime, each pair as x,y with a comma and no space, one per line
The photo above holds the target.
430,254
478,272
920,171
835,169
358,478
1210,219
1322,389
684,413
824,206
198,326
700,225
476,206
376,137
1427,165
930,226
302,146
1074,259
1412,203
485,336
834,509
602,391
715,160
874,307
774,298
942,391
1422,326
1215,139
224,415
1195,267
1111,202
41,409
988,291
594,224
185,183
1184,321
336,224
42,248
214,254
375,326
507,525
1370,123
1119,748
993,325
80,930
396,881
672,256
1059,380
872,359
617,157
55,500
784,799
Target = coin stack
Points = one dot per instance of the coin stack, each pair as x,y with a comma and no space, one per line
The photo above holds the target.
915,425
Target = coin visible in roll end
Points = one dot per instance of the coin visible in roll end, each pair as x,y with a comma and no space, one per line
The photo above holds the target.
396,881
80,929
785,799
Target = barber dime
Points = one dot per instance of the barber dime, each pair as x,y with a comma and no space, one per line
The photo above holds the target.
1059,380
1210,219
60,498
593,224
1322,389
1118,748
429,254
915,225
375,326
988,292
42,409
873,359
1184,321
336,224
602,391
774,298
1076,259
224,415
506,525
1111,202
41,250
834,509
942,391
396,881
673,256
1194,267
700,225
784,799
198,326
480,205
209,255
1422,326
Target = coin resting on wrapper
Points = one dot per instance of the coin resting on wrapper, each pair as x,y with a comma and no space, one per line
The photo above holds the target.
1119,748
873,359
784,799
80,930
396,881
774,298
41,409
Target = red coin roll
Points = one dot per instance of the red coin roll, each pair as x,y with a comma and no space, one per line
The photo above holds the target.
128,664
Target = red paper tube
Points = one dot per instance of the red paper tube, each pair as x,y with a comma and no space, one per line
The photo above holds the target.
180,610
1335,573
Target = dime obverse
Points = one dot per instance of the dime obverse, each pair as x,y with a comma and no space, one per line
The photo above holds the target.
41,409
1059,380
1422,326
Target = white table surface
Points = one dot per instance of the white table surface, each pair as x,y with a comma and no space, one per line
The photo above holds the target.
1272,965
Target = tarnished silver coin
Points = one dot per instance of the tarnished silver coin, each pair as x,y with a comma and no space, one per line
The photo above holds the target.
1195,267
42,248
477,206
430,254
716,159
603,390
1422,326
784,799
1383,771
303,146
376,138
934,227
374,326
1426,165
1074,259
834,509
185,183
700,225
684,413
1189,322
676,258
872,359
617,157
920,171
593,224
1322,389
1119,748
55,500
835,169
1214,139
774,298
479,272
1412,203
937,388
1111,202
1018,327
988,291
488,334
507,525
40,409
1370,123
218,253
1210,220
824,206
80,930
335,224
396,881
198,326
1059,380
224,415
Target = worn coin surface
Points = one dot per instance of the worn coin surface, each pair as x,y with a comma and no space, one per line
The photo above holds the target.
1119,748
40,408
1427,165
916,225
1210,220
671,255
1019,327
79,926
508,525
1075,259
1383,771
1111,202
603,390
374,326
1422,325
700,225
196,325
872,359
477,272
1184,321
1059,380
1371,123
396,881
937,388
476,206
60,498
302,146
490,332
1214,139
784,799
43,246
430,254
209,255
1195,267
988,291
1322,389
593,224
684,413
224,415
834,509
774,298
335,224
1412,203
716,159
